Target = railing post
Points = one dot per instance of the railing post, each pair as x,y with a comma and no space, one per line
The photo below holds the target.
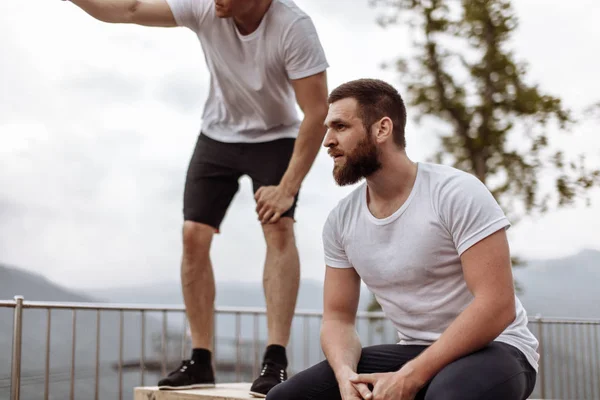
15,381
541,367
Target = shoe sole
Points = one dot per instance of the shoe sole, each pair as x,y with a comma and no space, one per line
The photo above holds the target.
198,386
259,395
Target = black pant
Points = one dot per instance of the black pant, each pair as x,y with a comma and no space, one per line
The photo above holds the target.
497,372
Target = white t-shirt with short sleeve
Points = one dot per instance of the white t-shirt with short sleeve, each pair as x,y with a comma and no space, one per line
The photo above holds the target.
251,98
411,260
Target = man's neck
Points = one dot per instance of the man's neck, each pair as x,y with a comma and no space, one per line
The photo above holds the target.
249,22
392,184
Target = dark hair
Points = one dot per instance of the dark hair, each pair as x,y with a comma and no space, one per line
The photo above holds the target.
376,99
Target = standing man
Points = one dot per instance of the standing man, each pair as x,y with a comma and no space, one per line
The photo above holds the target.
264,56
429,241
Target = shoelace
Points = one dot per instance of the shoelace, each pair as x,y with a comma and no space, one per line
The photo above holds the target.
184,366
269,369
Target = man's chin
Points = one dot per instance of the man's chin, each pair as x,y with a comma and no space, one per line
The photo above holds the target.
222,14
343,180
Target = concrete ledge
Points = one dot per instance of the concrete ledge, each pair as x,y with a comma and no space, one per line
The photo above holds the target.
223,391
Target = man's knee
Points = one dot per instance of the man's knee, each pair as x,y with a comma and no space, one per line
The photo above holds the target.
283,391
196,240
280,235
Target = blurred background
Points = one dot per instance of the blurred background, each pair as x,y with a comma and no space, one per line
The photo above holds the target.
98,122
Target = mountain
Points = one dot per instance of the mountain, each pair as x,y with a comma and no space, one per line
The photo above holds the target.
564,287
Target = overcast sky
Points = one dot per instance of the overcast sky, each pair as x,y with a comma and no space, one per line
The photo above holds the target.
98,121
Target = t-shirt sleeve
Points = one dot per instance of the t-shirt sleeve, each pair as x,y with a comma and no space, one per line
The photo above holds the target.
335,255
469,211
303,54
190,13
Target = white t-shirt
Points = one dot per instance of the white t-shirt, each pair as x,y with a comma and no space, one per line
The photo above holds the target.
251,98
411,260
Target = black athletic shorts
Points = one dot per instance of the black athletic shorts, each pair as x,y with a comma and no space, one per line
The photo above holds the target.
215,169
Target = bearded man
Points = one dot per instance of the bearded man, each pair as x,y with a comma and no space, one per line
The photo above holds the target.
429,241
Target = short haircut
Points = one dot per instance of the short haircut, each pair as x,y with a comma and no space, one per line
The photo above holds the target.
376,99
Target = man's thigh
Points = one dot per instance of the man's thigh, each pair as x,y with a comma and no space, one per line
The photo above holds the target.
211,181
497,372
319,382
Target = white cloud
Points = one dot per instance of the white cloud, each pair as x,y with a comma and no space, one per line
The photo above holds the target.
98,123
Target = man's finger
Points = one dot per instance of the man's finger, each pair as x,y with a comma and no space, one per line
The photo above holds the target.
261,212
364,391
275,218
266,216
364,378
258,193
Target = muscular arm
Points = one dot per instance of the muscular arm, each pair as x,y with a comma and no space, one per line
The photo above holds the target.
311,95
140,12
488,274
339,339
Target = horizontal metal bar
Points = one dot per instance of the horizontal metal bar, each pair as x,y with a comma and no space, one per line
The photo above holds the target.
99,306
564,321
154,307
236,310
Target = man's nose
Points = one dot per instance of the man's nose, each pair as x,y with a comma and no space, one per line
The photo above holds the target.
329,138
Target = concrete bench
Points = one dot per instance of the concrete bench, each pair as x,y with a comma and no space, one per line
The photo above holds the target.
225,391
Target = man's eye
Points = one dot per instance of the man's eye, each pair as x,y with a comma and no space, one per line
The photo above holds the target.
341,127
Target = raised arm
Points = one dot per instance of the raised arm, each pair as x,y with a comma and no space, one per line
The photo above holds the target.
140,12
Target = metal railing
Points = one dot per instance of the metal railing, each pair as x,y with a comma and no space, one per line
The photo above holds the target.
569,348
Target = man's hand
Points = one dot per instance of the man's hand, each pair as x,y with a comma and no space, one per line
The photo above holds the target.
352,391
400,385
272,202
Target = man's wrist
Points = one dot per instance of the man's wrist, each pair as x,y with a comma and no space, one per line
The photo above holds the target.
344,373
288,188
416,371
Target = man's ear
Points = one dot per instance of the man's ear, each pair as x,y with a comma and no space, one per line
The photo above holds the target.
383,129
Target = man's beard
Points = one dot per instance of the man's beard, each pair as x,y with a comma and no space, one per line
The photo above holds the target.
361,163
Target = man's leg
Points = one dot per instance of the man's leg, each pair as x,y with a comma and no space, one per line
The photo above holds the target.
266,164
211,183
281,279
198,283
497,372
319,382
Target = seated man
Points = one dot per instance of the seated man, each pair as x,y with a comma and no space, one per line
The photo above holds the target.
429,241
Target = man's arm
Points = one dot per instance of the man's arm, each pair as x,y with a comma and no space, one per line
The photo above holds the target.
311,95
488,274
140,12
339,338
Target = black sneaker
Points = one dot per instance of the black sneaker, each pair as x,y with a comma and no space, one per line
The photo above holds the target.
270,376
189,375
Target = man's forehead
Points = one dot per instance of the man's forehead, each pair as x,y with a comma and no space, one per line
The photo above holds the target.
344,109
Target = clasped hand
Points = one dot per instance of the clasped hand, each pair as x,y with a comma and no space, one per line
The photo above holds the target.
385,386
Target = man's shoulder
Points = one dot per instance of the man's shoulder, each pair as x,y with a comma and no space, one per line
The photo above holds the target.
286,17
287,11
443,178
